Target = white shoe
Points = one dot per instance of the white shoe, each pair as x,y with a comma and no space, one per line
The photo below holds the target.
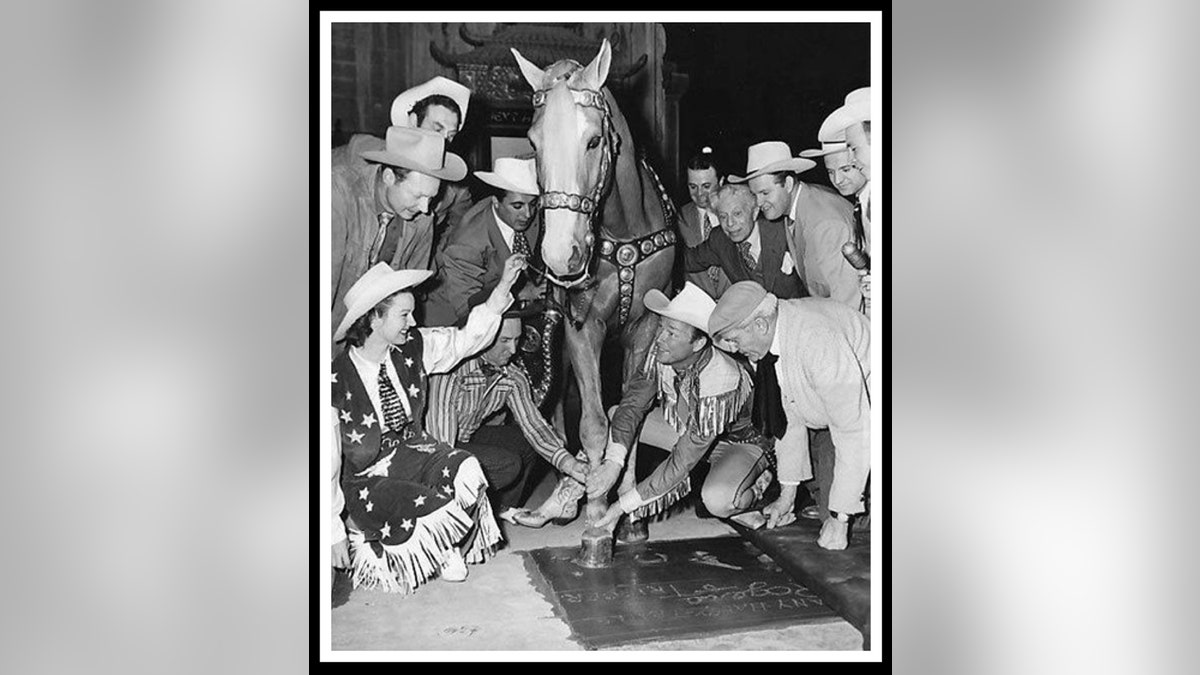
508,515
455,568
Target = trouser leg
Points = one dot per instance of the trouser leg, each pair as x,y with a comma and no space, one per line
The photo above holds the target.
505,453
734,467
820,444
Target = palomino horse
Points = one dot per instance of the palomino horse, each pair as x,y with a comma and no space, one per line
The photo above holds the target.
597,197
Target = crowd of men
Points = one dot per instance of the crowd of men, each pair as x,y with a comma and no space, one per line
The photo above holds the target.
761,364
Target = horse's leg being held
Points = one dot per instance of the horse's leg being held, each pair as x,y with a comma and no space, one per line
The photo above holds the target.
583,346
637,346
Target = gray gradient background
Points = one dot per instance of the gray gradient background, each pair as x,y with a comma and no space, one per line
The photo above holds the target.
155,260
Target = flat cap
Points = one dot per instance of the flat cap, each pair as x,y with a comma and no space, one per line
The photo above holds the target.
736,303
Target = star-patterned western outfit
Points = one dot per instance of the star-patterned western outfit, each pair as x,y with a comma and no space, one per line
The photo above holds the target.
709,406
411,499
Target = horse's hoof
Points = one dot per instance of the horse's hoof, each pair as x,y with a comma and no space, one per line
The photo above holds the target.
596,549
632,531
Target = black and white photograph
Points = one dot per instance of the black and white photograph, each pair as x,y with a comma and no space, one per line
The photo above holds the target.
601,331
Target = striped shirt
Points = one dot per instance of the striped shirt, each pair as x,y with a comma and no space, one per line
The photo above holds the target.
460,402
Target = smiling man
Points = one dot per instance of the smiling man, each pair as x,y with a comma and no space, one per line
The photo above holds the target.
705,397
394,183
746,247
818,352
818,221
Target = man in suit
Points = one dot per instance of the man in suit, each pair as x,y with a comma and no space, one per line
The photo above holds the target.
475,249
396,183
747,247
817,220
817,353
440,106
699,219
852,122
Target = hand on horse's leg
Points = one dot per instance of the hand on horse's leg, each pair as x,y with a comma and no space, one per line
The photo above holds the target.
602,478
610,518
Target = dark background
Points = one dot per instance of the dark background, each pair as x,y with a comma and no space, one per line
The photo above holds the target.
762,82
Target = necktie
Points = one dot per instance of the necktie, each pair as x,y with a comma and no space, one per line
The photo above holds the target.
520,244
393,413
859,236
768,415
377,245
751,263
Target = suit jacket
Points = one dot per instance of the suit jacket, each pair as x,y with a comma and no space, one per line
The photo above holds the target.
719,250
354,225
824,368
447,209
713,281
824,221
471,260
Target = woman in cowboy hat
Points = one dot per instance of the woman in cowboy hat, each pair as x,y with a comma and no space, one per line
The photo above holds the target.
415,506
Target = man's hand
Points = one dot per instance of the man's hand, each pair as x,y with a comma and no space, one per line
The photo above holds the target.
601,479
575,469
611,516
341,555
779,512
833,534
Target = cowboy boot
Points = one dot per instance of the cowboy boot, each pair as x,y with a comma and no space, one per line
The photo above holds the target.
562,506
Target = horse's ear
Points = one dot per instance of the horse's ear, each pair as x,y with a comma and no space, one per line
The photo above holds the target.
533,75
596,72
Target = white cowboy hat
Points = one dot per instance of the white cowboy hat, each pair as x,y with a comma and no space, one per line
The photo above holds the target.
827,148
512,174
856,109
374,285
419,150
770,157
438,85
691,305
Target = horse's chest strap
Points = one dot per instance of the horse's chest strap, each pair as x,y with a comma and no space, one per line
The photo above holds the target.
626,256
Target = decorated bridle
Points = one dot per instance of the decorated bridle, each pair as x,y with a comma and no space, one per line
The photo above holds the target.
588,204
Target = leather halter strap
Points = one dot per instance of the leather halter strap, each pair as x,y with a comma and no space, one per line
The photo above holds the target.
589,203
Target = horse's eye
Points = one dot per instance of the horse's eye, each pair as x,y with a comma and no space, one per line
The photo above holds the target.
594,143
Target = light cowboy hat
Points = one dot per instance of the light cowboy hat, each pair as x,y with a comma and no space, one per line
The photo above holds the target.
828,148
769,157
857,108
439,85
512,174
691,305
374,285
419,150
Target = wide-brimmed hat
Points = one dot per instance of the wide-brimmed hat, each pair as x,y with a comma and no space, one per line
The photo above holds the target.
374,285
769,157
438,85
691,305
857,108
827,148
419,150
512,174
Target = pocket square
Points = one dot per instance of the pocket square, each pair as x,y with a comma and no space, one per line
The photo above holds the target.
788,266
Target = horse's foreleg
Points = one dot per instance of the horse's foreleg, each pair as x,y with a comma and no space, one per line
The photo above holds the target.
637,347
583,347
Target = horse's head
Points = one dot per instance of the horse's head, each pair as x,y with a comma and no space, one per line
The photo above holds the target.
575,146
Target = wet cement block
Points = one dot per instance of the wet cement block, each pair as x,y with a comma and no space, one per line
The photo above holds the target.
672,589
842,579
